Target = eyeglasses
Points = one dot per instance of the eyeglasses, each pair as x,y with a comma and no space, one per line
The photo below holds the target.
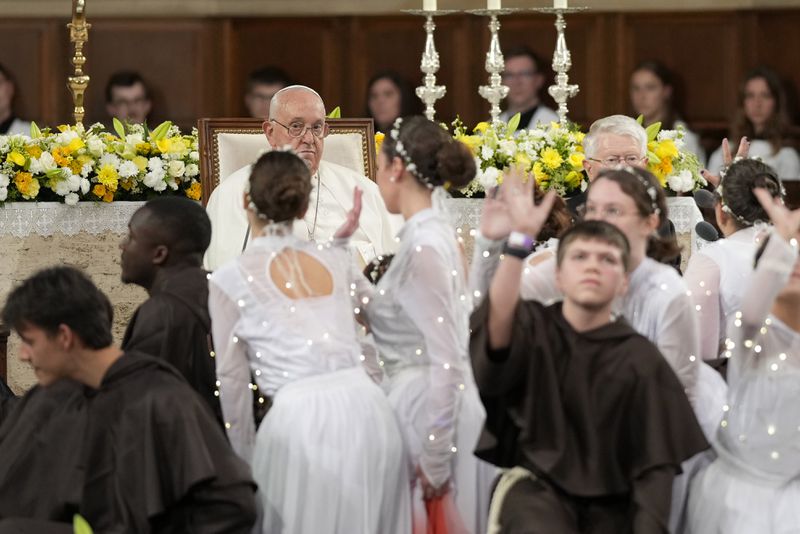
515,75
590,211
298,129
613,161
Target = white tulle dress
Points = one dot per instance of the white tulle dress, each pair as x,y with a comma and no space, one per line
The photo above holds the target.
329,455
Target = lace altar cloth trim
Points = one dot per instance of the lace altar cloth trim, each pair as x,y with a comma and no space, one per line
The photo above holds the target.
23,219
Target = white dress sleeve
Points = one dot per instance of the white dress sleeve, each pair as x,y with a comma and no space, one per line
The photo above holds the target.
233,372
702,277
539,282
428,298
485,259
679,342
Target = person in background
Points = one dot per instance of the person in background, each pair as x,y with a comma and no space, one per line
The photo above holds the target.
262,84
653,97
9,123
524,77
762,119
389,96
128,97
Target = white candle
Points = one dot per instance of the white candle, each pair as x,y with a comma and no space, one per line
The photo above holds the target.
429,5
560,4
492,4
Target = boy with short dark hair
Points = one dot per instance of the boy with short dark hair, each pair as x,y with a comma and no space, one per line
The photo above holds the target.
587,415
149,456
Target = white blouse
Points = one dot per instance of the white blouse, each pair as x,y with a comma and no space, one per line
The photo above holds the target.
657,305
717,276
257,328
418,314
761,428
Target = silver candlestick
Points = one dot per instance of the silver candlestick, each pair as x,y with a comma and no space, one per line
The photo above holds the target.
495,92
429,93
562,62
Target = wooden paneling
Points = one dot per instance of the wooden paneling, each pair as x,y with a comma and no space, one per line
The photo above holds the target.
198,66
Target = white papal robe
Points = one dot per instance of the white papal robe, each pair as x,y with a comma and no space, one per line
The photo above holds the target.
374,236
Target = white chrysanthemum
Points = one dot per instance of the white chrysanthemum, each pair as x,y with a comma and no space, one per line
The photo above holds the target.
85,185
62,188
155,180
681,182
110,159
95,146
3,143
3,194
508,147
74,182
176,168
71,199
4,180
155,164
194,155
128,169
488,178
86,169
192,170
486,153
173,184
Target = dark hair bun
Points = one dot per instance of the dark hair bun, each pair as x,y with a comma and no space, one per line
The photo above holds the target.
280,184
455,164
737,190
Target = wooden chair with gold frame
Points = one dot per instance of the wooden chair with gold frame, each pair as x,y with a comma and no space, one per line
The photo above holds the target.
228,144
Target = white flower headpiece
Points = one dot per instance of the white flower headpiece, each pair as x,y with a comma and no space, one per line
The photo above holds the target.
403,153
648,187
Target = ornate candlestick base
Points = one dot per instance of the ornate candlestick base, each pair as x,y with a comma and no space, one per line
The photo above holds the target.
562,91
429,92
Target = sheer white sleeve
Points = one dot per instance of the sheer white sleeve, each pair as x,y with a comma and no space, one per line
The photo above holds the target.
485,259
539,282
428,298
771,274
679,341
702,278
233,372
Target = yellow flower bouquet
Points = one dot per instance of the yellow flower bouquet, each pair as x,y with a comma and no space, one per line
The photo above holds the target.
74,163
677,170
553,154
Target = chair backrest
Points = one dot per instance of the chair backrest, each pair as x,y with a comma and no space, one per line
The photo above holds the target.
228,144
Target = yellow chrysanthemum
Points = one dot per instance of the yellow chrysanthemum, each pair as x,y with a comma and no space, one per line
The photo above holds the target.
539,174
26,184
75,144
109,177
666,149
194,191
579,137
574,179
33,150
379,137
141,162
522,159
473,142
61,156
576,160
481,127
551,158
75,166
99,190
15,158
143,148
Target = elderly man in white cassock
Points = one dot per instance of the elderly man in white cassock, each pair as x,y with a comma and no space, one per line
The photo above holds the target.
297,119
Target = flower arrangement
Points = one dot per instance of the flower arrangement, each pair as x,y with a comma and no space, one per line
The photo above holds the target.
553,154
677,169
75,163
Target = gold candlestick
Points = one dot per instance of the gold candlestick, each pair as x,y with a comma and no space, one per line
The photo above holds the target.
78,35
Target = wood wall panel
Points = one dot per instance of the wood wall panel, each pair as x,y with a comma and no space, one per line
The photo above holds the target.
198,66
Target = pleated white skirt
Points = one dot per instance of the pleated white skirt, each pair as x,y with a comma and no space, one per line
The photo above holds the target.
472,477
329,459
727,498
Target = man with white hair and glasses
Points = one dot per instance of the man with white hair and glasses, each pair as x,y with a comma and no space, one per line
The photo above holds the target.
297,120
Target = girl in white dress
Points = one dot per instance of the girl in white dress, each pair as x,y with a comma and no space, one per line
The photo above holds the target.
717,273
754,484
418,314
328,456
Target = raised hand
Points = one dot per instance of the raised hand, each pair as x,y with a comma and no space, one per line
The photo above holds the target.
350,225
786,221
727,159
517,195
495,222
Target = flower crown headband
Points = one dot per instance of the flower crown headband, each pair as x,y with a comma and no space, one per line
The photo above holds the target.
403,153
648,187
